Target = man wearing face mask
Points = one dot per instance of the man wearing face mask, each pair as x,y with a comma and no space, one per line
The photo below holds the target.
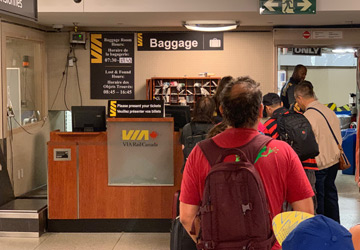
287,91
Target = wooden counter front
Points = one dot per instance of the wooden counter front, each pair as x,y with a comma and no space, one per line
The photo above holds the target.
98,200
64,177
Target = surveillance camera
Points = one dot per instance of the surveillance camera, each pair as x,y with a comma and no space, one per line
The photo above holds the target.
58,27
77,1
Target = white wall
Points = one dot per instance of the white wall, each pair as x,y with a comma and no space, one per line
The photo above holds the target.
245,53
331,84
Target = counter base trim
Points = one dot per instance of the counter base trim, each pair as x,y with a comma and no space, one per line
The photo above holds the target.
110,225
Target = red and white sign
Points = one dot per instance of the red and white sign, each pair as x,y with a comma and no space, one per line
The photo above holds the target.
306,34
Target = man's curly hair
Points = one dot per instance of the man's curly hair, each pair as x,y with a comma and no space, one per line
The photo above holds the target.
241,101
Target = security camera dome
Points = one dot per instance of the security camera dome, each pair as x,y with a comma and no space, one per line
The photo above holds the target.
77,1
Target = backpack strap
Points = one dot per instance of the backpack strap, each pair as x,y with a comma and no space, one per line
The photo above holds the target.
193,128
194,131
212,151
331,130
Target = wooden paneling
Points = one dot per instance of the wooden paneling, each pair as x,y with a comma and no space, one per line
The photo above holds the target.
62,179
78,137
97,199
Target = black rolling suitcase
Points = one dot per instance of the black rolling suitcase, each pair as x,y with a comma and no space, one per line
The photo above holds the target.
179,238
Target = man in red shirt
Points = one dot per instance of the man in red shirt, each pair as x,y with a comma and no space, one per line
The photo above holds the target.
278,165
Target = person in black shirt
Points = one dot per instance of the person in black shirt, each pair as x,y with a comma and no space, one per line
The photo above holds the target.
287,91
201,123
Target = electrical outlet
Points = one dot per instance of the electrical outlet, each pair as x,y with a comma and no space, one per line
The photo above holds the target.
22,173
19,174
71,62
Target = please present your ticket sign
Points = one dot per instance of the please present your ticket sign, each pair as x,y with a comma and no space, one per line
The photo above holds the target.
135,109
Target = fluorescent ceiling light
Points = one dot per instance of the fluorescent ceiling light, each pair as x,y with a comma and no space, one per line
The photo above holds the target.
211,25
343,50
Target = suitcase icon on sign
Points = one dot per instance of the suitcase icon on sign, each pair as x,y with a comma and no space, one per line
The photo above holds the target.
215,43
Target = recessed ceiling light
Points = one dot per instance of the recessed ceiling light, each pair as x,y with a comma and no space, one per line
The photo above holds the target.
211,25
343,50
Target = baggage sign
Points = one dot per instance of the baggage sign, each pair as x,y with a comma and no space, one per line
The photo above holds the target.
175,41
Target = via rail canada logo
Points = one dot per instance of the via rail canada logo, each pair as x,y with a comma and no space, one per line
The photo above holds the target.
112,108
139,138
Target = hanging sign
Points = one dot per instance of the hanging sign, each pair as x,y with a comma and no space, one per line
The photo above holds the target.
287,7
112,66
170,41
307,51
21,8
136,109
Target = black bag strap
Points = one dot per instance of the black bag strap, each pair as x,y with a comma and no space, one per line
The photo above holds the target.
192,126
212,151
332,132
193,129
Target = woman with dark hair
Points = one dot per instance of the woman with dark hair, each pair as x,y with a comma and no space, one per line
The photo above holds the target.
204,110
217,96
197,129
192,133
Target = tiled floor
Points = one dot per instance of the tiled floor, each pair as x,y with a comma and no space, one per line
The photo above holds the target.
349,200
93,241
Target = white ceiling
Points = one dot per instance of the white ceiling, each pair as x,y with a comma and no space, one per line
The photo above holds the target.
168,13
176,19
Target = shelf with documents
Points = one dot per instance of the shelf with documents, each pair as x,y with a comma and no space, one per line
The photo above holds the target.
180,90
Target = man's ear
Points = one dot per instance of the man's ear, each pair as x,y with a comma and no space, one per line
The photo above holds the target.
281,104
261,110
221,109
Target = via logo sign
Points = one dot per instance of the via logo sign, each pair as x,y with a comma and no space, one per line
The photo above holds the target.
138,135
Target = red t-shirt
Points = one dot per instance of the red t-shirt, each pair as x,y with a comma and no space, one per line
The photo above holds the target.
261,127
279,167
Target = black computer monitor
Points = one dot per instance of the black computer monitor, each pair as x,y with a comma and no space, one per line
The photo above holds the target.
88,118
180,113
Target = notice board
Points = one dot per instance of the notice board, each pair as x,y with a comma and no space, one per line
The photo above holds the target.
112,66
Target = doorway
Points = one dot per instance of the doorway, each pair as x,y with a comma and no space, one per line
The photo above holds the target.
333,73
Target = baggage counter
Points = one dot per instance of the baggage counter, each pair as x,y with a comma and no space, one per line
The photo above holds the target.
129,172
